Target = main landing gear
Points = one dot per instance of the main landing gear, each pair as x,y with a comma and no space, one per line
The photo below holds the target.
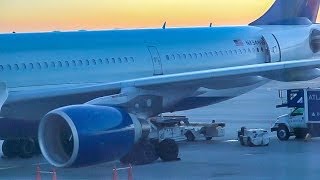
24,148
148,151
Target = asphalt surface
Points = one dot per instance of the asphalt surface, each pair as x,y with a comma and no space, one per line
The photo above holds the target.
222,158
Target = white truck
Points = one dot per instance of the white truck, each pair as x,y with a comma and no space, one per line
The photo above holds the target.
179,128
304,117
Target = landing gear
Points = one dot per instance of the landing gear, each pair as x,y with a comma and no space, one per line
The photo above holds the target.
148,151
24,148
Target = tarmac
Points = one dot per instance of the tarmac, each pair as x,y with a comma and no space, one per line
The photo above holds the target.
221,158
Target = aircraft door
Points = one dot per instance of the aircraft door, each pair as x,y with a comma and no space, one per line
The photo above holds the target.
273,53
156,60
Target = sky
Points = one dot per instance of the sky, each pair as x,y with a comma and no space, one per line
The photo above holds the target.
60,15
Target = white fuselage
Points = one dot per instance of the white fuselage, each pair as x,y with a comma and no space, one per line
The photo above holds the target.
58,59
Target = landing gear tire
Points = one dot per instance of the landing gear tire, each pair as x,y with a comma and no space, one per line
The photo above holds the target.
142,153
10,148
168,150
283,133
27,148
189,135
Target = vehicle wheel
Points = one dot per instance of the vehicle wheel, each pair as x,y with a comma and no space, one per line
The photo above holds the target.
10,148
208,138
168,150
189,135
283,133
142,153
27,148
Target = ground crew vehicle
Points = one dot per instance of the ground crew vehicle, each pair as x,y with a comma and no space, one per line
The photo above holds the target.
253,137
304,117
179,128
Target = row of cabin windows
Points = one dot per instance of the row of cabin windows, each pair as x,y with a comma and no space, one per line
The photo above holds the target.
60,64
214,53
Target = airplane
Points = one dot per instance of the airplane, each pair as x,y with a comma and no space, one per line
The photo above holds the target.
86,97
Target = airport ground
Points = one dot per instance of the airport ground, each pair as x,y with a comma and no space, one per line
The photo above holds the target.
222,158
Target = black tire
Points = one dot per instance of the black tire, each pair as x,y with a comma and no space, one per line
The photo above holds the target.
142,153
27,148
208,138
168,150
283,133
189,135
10,148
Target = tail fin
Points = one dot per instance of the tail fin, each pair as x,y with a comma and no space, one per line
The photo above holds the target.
290,12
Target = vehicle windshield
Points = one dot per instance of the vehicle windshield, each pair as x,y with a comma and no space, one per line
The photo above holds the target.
297,112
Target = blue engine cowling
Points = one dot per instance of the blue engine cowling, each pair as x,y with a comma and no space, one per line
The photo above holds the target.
83,135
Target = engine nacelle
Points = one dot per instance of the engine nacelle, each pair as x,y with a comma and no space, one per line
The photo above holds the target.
83,135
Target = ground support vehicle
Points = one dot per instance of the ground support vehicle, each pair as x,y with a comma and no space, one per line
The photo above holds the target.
304,117
179,128
253,137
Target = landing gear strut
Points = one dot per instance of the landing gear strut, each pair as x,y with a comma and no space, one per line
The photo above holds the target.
24,148
148,151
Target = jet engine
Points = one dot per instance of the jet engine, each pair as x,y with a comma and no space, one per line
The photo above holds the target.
82,135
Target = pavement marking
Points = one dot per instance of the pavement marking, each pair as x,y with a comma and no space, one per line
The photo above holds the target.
9,167
231,140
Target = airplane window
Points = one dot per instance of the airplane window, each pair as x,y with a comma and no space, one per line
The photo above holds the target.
119,60
249,50
87,62
45,64
200,55
107,60
244,51
221,53
206,54
74,63
253,49
211,54
190,56
52,64
179,56
101,62
173,58
24,66
132,59
30,66
184,56
230,52
167,56
9,67
1,68
226,52
125,59
235,51
95,62
80,63
240,52
16,67
216,53
38,65
67,63
261,49
258,50
195,55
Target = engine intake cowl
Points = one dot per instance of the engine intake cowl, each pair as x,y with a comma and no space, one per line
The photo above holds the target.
83,135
